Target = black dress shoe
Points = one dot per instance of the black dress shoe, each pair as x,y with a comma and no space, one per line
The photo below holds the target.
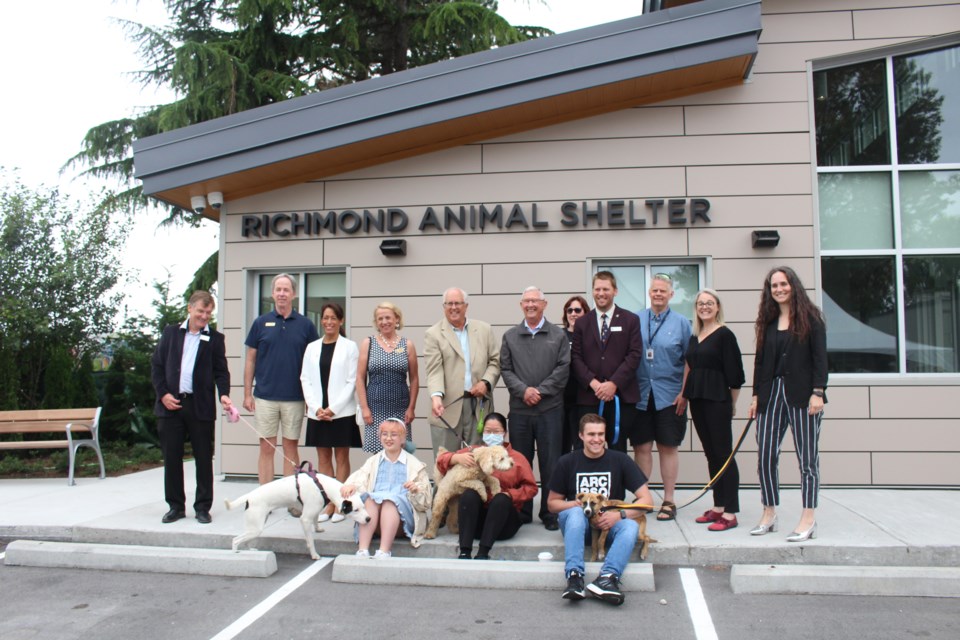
551,525
172,516
203,517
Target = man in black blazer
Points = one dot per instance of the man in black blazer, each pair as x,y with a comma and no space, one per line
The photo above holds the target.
189,360
606,351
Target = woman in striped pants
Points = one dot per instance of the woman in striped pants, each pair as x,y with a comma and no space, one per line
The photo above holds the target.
789,380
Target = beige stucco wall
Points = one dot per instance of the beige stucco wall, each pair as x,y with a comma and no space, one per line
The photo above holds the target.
747,149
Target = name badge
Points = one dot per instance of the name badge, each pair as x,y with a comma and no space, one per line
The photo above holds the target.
613,329
650,354
269,324
204,337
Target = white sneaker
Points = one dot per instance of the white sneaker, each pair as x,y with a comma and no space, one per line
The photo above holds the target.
323,517
381,554
363,553
337,517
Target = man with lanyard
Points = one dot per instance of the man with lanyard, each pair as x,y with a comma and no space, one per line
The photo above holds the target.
275,346
189,360
661,374
463,365
535,365
606,351
596,469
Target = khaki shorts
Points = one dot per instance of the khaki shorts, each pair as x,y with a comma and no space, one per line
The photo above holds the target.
273,416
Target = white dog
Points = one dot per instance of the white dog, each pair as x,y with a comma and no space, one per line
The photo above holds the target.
283,493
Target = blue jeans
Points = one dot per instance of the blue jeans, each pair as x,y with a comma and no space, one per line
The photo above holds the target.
575,527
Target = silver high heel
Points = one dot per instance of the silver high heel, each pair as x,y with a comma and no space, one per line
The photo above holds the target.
801,536
764,529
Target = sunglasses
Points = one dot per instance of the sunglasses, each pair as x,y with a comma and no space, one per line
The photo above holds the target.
574,310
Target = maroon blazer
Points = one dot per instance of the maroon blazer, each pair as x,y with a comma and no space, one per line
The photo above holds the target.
617,362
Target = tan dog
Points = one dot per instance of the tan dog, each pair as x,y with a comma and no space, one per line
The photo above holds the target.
593,504
459,478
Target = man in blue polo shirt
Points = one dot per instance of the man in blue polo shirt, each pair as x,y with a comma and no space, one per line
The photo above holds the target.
275,347
662,408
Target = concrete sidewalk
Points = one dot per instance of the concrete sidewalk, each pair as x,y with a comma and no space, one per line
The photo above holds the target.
856,527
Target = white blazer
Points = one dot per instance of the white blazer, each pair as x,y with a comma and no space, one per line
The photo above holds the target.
342,385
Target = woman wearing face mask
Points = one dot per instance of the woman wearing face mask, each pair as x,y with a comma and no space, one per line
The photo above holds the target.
491,518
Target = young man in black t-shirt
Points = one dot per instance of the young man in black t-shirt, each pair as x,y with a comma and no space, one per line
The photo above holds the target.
598,470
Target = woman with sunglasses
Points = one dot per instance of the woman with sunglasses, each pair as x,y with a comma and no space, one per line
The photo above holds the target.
573,310
712,386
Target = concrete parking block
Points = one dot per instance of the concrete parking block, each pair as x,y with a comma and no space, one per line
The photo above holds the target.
935,582
478,574
112,557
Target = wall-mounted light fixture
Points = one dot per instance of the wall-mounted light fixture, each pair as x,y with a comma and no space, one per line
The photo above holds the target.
198,203
393,247
765,238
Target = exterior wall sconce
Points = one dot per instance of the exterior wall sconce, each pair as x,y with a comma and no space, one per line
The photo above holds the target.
393,247
765,238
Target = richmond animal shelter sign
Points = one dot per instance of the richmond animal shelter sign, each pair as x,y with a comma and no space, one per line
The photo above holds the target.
613,214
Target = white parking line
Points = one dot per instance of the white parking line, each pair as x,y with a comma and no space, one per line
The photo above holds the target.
271,601
697,604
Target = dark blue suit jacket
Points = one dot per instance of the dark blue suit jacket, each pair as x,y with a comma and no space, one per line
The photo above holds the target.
617,362
210,367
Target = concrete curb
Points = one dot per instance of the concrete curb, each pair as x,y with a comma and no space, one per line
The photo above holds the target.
111,557
483,574
937,582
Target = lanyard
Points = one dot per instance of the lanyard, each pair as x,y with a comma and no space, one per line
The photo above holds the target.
663,321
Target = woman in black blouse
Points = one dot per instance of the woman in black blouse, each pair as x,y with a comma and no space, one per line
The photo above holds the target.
712,387
789,380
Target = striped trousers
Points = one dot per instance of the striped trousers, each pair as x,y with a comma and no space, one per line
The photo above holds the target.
771,427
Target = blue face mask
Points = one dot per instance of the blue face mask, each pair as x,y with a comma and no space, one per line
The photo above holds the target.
492,439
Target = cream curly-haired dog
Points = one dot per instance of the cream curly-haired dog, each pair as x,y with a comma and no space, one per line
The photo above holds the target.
459,478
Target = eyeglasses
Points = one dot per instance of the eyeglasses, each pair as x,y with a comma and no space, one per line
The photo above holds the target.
454,304
532,301
707,304
575,310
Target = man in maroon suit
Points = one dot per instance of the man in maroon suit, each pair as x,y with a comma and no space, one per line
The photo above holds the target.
607,348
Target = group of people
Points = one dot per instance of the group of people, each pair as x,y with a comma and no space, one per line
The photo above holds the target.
578,393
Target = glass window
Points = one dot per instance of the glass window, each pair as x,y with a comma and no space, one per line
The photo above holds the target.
897,309
633,282
320,288
856,211
931,292
860,305
851,114
930,209
928,107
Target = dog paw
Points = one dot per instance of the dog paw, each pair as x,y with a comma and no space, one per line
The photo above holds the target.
318,528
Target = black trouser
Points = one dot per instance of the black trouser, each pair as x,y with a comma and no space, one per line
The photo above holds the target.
714,424
173,432
487,523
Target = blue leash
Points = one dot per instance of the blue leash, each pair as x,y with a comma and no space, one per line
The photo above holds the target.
616,419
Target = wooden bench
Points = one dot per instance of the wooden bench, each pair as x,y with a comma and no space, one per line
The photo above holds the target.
69,421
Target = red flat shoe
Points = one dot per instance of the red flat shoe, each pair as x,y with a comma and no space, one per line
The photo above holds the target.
723,524
709,516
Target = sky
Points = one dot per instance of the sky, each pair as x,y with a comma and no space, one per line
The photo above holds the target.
67,66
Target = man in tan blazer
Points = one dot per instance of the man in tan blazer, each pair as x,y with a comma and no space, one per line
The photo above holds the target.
448,345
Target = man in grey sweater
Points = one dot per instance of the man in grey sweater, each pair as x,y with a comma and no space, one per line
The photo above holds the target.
534,365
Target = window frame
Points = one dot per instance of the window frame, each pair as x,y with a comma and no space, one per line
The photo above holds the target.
253,279
894,170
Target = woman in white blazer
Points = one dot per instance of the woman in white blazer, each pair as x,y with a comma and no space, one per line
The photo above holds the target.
329,379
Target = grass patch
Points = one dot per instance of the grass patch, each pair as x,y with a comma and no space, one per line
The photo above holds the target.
118,459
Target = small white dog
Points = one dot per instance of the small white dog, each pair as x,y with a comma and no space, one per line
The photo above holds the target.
283,493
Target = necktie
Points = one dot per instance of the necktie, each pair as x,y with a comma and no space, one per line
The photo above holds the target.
604,330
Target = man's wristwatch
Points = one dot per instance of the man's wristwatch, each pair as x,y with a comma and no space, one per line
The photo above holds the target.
623,514
818,393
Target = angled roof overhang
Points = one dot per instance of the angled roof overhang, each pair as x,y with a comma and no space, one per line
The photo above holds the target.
650,58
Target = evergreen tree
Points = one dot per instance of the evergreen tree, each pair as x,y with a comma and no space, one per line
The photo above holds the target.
226,56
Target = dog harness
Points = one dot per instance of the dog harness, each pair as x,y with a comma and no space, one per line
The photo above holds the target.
310,473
